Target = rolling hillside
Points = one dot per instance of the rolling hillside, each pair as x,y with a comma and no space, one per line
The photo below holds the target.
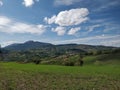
34,50
103,59
41,45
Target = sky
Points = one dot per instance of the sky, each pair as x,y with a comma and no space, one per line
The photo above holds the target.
93,22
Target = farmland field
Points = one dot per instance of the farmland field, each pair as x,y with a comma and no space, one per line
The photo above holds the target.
17,76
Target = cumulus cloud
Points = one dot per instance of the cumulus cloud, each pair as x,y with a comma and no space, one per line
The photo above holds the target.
69,17
51,20
65,2
1,3
59,30
29,3
10,26
73,31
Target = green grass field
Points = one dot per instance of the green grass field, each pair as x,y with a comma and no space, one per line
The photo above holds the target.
94,75
16,76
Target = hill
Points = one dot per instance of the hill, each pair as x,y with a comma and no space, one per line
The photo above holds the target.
112,58
100,59
27,45
41,45
34,50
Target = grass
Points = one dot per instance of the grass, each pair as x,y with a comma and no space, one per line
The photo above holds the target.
99,72
87,69
103,59
16,76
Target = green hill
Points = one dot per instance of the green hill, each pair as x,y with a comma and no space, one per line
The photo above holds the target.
65,54
113,58
102,59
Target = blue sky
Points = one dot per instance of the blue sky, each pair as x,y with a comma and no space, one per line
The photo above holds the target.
94,22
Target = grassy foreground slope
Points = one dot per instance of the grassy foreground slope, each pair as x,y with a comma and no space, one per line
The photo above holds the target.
100,72
103,59
16,76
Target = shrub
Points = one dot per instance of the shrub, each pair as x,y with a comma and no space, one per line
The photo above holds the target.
68,63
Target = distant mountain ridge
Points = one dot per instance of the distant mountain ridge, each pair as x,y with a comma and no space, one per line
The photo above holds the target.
38,45
27,45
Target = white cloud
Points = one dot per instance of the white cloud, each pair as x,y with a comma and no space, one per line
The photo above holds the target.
108,25
65,2
59,30
29,3
113,42
91,28
10,26
1,3
108,5
50,20
69,17
6,43
115,27
73,31
107,40
4,20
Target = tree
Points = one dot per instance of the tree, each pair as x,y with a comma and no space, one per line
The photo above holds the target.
81,60
0,49
37,59
1,53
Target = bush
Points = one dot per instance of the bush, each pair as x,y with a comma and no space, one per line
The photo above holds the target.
36,61
68,63
98,63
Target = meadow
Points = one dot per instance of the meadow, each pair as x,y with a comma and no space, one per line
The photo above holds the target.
18,76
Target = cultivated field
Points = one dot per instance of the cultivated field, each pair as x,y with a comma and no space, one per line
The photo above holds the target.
17,76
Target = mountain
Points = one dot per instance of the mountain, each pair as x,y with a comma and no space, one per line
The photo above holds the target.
32,50
27,45
59,48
